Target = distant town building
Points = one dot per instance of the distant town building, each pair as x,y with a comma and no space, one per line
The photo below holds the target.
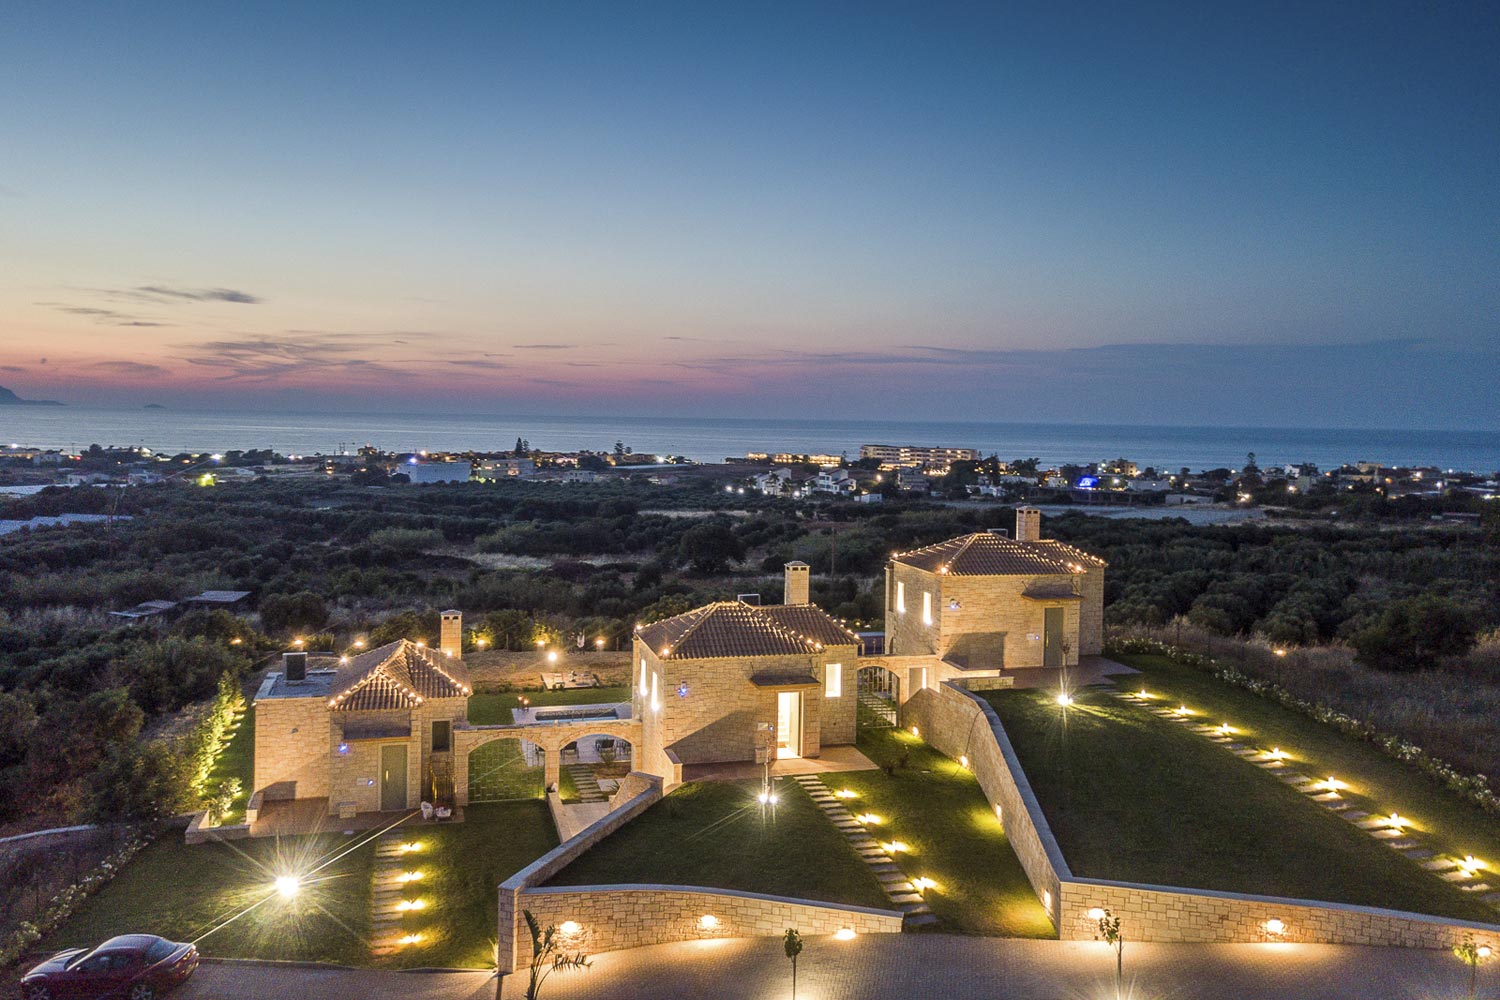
507,468
438,472
893,456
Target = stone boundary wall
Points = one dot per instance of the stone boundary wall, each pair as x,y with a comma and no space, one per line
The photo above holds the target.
512,931
1161,913
502,670
961,724
611,917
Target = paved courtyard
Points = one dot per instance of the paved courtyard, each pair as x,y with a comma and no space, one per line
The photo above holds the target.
906,966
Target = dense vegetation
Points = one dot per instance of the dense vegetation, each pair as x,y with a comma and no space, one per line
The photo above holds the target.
329,561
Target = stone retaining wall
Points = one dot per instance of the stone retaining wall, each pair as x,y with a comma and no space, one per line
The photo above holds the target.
1160,913
611,917
513,940
963,725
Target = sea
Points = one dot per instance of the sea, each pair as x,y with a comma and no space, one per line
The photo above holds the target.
713,439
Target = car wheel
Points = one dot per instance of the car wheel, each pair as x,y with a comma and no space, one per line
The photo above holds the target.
143,991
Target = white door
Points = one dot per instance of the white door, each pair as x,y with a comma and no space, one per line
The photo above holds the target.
789,724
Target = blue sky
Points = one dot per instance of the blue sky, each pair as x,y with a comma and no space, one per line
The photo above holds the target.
1092,212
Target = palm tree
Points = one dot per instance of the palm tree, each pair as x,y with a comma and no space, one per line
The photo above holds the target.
547,955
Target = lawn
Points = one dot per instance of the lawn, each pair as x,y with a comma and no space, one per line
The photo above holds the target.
462,866
1384,784
1134,797
237,760
222,896
936,808
493,708
712,833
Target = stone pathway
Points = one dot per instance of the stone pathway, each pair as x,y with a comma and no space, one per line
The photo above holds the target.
904,896
1393,834
391,891
586,783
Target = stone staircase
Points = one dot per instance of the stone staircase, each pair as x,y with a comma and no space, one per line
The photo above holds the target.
586,783
387,914
875,711
898,888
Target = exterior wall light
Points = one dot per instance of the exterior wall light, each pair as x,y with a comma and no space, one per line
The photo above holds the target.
1275,926
1096,913
1065,699
288,886
844,934
963,760
708,921
569,927
915,731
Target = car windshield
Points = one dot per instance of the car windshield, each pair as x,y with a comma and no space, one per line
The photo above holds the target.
159,950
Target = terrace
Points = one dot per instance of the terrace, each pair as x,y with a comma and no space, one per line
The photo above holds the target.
1118,781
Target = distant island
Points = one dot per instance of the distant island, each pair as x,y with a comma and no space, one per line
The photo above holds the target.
153,406
8,398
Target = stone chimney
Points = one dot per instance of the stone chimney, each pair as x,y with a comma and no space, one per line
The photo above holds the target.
1028,524
452,641
798,584
294,667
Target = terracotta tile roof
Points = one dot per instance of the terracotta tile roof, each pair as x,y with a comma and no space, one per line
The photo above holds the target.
733,628
987,554
400,674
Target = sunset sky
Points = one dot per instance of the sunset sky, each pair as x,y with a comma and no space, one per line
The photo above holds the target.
1272,214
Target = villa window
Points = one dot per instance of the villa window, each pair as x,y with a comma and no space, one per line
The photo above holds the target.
900,597
833,680
442,736
644,689
926,608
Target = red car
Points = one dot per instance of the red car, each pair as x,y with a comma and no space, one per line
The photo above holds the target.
128,967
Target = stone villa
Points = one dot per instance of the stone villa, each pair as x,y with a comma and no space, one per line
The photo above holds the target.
730,682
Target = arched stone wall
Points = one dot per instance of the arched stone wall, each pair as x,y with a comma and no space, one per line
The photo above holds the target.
549,738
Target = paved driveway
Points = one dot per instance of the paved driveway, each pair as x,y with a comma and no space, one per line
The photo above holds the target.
905,966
